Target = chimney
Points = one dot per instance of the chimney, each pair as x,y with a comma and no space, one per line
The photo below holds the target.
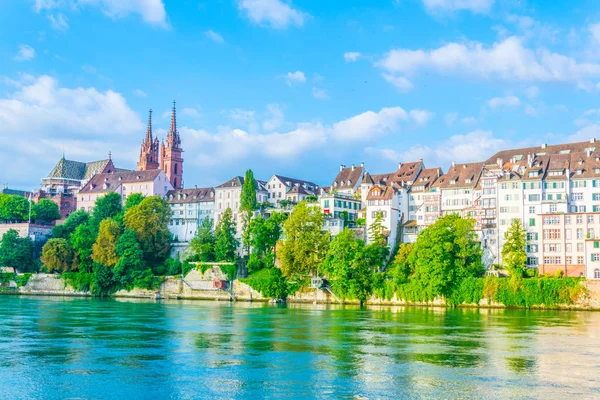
399,165
453,164
353,167
464,166
499,162
342,167
593,140
543,145
362,164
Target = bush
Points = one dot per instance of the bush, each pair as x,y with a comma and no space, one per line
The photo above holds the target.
254,263
22,280
270,283
79,281
173,266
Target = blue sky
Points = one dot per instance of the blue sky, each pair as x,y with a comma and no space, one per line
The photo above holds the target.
293,87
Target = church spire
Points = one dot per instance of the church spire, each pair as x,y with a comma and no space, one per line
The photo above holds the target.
149,130
173,139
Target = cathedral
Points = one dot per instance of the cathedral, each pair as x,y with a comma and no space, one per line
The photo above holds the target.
166,156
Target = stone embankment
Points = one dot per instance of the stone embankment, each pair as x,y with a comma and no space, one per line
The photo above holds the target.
200,286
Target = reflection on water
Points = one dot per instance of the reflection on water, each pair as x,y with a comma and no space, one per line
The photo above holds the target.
136,349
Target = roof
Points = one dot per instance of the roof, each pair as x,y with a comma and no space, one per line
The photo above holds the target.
348,177
407,172
381,193
76,170
108,182
22,193
567,148
297,189
460,175
196,195
294,181
238,181
426,178
367,179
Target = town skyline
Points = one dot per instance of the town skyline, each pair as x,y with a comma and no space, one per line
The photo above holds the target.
375,92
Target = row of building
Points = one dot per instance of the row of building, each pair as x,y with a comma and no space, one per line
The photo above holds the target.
553,189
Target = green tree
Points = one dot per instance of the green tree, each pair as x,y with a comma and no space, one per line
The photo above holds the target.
514,256
264,233
202,245
339,261
247,207
446,253
65,230
361,276
82,240
103,280
104,250
14,208
376,229
150,221
130,263
16,252
107,206
401,267
225,242
58,255
46,211
133,200
305,244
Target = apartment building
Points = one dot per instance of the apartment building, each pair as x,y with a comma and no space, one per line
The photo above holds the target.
457,187
291,189
348,179
189,207
227,195
385,201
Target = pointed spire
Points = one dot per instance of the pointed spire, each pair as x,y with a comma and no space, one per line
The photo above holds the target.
149,130
173,121
109,154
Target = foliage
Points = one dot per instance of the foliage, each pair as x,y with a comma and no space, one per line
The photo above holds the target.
79,281
305,244
514,256
360,222
133,200
270,283
311,199
203,244
103,283
130,265
107,206
230,270
376,229
173,266
247,206
46,211
82,240
14,208
401,267
339,261
6,277
186,267
16,252
225,241
255,263
65,230
264,234
21,280
150,221
104,250
58,255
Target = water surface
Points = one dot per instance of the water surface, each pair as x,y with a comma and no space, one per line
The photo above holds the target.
52,347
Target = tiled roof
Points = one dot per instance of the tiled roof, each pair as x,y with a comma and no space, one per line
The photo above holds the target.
578,147
22,193
190,195
347,177
108,182
76,170
297,189
460,175
367,179
293,181
382,179
238,181
426,178
407,172
381,193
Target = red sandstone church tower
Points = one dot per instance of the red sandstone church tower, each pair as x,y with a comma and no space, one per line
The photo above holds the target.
171,155
149,152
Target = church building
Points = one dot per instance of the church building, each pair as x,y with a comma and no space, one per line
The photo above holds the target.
169,158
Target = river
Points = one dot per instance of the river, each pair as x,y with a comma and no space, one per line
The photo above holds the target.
54,347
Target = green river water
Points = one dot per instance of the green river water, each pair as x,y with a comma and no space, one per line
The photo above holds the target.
80,348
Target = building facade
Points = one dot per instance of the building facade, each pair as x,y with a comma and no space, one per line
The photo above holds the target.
189,207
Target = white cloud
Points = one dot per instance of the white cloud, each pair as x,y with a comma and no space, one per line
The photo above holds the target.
25,53
469,120
505,60
508,101
214,36
351,56
139,93
152,11
400,82
369,124
450,118
276,117
421,117
40,117
476,6
292,78
320,94
274,13
59,22
532,92
190,112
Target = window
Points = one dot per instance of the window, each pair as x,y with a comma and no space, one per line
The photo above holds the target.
568,233
580,260
534,197
568,247
595,257
531,210
532,261
567,220
552,248
597,273
532,236
577,196
590,233
579,233
553,220
552,233
590,219
579,219
553,208
553,260
579,247
531,221
326,203
569,260
596,245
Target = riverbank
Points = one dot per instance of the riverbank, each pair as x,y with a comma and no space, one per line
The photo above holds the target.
199,286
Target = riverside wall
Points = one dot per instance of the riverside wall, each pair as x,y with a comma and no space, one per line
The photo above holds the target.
191,288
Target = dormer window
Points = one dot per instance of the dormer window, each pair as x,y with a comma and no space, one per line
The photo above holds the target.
597,170
579,171
533,174
453,181
349,182
468,180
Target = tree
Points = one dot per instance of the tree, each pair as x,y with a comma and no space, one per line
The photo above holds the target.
361,276
339,261
107,206
247,207
16,252
104,250
58,255
203,244
46,211
305,243
14,208
82,240
133,200
401,267
376,235
150,221
65,230
514,256
446,253
264,233
225,241
130,263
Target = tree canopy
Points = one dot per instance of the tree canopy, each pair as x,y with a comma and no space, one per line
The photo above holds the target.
225,241
57,255
14,208
65,230
16,252
247,206
202,245
107,206
104,250
46,211
514,256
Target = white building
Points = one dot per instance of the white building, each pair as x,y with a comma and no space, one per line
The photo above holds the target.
290,189
227,195
125,183
348,180
385,200
189,207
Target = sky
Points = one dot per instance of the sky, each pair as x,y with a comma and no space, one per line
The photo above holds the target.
293,87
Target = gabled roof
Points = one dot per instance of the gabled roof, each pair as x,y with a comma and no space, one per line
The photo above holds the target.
566,148
426,178
294,181
382,179
76,170
238,181
367,179
407,172
460,175
297,189
197,195
381,193
347,177
108,182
